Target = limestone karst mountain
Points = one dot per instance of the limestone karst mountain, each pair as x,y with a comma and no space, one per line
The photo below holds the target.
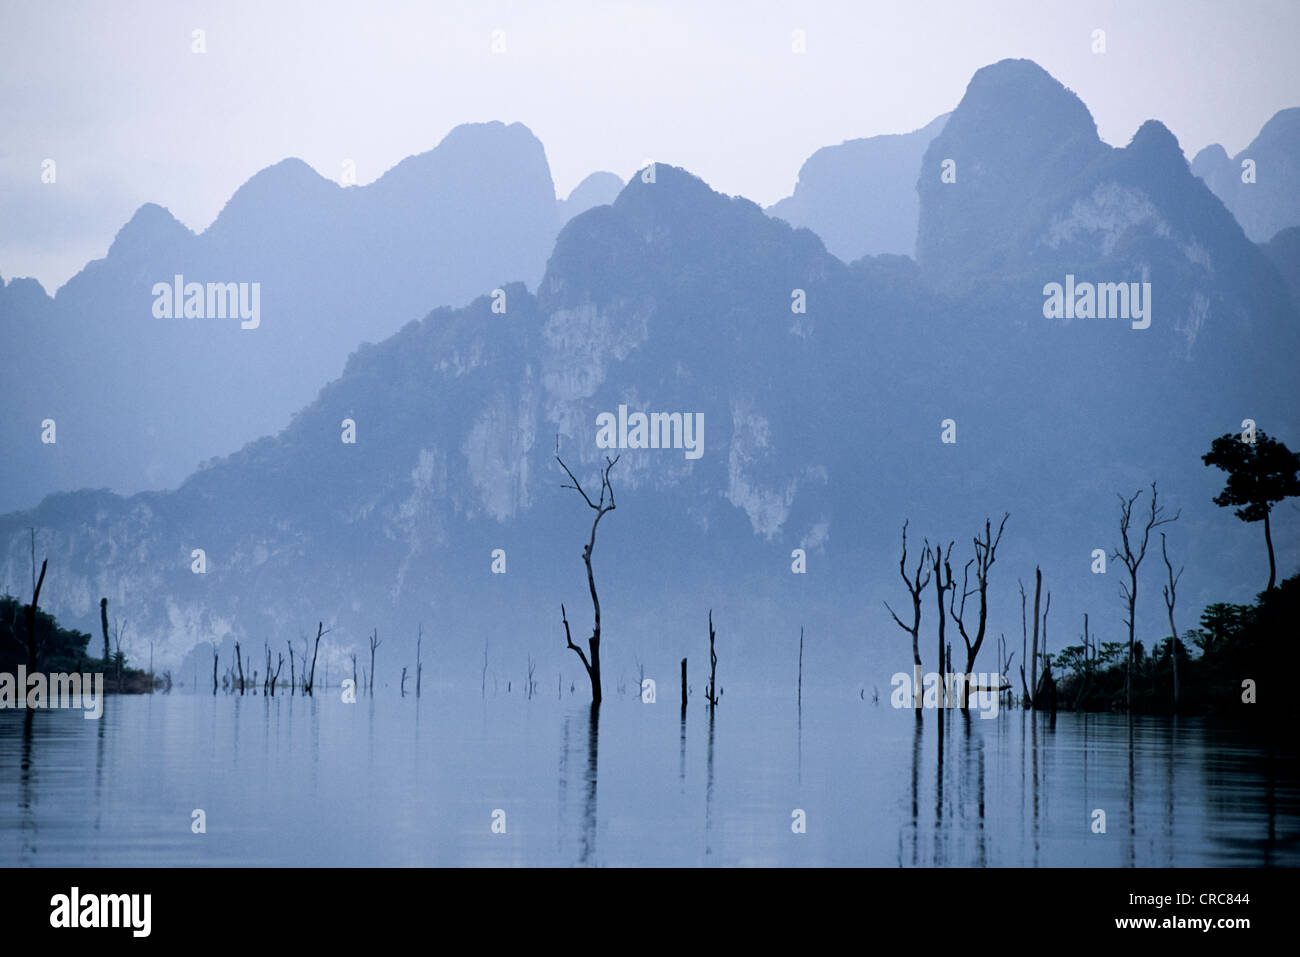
1258,185
140,401
860,196
598,189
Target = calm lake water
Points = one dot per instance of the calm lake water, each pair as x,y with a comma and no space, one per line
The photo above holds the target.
392,781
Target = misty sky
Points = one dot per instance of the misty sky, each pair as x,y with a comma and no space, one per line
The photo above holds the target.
113,93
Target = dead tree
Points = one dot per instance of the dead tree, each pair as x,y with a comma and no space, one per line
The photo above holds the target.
1085,680
293,679
1047,610
942,583
985,554
321,631
119,629
103,624
34,646
916,586
1169,595
403,684
374,643
419,668
711,692
266,682
215,656
276,676
1025,697
683,686
592,664
1045,689
532,685
239,661
1033,674
1131,552
800,686
354,671
1004,666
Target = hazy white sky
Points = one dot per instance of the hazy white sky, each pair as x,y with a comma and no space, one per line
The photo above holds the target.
113,93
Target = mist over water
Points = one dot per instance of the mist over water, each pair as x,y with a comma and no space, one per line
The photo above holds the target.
403,781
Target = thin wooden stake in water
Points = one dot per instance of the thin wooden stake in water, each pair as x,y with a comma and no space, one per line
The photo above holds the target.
801,670
713,667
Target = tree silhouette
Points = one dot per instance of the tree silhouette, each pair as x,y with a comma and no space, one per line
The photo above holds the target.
985,555
600,507
1170,594
916,585
1260,474
1134,538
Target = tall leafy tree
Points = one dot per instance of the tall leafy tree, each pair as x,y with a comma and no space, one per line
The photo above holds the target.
1260,474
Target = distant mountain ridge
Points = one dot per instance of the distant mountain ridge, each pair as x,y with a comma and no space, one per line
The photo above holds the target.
335,265
860,196
1263,198
1039,195
598,189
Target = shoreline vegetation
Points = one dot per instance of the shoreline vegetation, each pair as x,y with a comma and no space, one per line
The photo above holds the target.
64,651
1237,645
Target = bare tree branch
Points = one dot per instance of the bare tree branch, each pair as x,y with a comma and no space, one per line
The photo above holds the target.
592,664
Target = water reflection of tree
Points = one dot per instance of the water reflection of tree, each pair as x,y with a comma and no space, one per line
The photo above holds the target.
27,826
590,774
708,794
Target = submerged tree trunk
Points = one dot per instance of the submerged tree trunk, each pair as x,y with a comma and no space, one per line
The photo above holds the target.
1026,699
800,694
1033,672
374,643
33,647
986,549
1085,680
942,569
1268,540
1131,552
1170,594
713,668
592,663
310,686
103,625
916,586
